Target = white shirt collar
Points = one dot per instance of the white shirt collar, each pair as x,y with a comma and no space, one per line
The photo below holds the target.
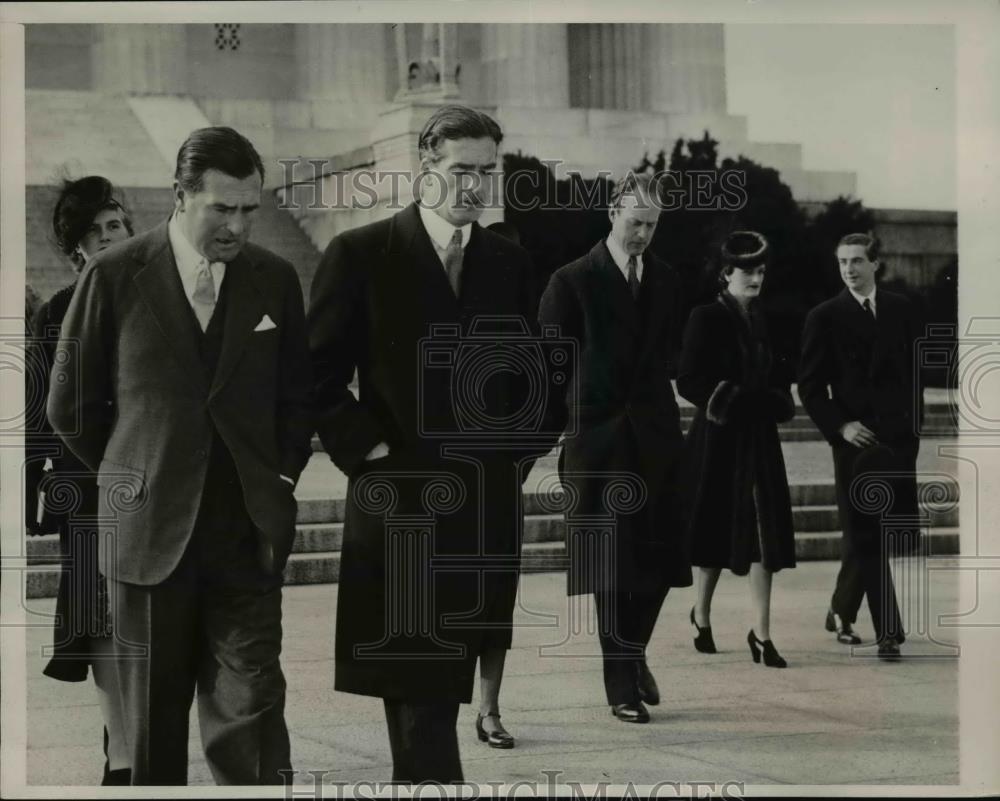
870,297
621,258
189,260
440,230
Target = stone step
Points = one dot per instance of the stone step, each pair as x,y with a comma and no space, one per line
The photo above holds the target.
92,133
538,528
320,521
323,567
802,429
47,271
802,495
808,519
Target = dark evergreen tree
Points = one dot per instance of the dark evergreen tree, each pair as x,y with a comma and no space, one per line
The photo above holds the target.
560,220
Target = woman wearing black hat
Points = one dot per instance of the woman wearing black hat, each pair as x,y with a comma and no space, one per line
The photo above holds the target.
741,515
87,219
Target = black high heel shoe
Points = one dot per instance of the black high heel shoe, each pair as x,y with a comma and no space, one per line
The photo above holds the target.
771,656
703,642
498,738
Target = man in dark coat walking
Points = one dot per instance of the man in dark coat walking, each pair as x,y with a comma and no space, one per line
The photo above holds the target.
431,543
859,383
621,452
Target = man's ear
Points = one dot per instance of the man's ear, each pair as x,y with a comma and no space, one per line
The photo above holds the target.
426,163
611,214
179,197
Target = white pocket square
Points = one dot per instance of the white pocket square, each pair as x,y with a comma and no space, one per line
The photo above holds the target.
265,324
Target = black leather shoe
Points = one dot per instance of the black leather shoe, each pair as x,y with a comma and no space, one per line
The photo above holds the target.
631,713
648,691
758,647
845,634
703,642
498,738
119,777
888,650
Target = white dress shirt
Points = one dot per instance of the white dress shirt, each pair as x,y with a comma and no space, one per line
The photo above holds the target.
441,231
862,298
621,258
189,261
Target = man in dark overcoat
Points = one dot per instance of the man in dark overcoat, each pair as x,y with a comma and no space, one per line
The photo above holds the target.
621,453
431,545
861,386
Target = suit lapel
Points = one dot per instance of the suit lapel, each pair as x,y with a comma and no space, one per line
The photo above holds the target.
420,272
860,319
244,309
479,273
614,287
655,293
884,325
159,284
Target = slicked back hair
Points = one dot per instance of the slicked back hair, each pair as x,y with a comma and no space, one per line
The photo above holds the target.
635,183
872,246
216,148
454,122
869,242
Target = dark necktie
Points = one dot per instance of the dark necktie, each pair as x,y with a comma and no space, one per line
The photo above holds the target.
633,277
453,260
867,306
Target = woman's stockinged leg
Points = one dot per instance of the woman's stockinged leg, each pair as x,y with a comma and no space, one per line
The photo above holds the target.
760,592
708,577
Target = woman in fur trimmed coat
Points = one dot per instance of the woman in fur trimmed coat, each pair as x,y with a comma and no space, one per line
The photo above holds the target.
740,517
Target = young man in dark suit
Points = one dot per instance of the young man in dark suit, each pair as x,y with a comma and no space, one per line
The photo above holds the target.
861,386
184,382
622,306
416,609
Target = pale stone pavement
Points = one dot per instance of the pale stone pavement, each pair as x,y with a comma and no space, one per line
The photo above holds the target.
830,718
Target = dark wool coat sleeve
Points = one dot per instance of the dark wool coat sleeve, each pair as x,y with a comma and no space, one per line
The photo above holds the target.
338,341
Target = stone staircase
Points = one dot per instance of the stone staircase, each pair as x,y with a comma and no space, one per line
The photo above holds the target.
939,420
315,557
132,141
89,133
48,271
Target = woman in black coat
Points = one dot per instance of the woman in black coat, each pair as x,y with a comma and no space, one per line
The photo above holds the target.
87,219
741,515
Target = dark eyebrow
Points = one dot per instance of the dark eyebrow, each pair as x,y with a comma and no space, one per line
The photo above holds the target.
459,165
247,207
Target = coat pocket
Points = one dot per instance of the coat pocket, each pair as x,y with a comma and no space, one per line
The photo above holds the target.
123,488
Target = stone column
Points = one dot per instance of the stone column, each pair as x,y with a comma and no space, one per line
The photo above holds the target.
607,65
342,62
140,59
685,68
525,64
